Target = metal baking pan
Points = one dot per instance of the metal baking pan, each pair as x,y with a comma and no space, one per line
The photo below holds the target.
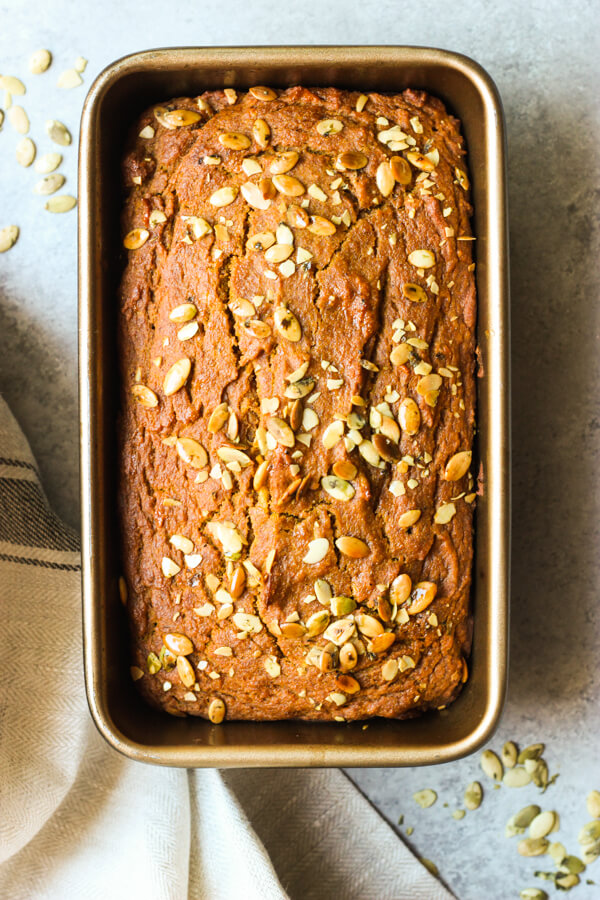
118,95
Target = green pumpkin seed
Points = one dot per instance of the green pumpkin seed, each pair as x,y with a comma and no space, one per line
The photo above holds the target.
589,834
473,795
491,765
593,804
572,865
458,814
543,824
517,777
533,751
154,664
566,882
509,754
533,894
532,847
425,798
557,851
525,816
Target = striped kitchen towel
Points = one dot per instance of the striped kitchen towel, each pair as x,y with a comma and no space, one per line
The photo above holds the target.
80,821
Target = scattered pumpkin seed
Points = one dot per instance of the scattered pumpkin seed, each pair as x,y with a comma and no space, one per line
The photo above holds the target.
40,61
352,547
533,751
68,79
566,882
425,798
61,204
491,765
543,824
13,85
50,184
8,237
532,847
458,814
18,118
473,795
58,132
572,865
533,894
317,551
47,163
216,711
593,804
509,754
517,777
25,152
337,488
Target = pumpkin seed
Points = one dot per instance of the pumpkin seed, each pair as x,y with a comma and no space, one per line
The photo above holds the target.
343,468
384,179
58,132
195,228
286,323
234,140
254,197
352,160
422,595
348,657
317,623
186,671
340,632
409,416
414,292
297,217
283,162
532,847
337,488
177,376
191,452
400,354
533,751
533,894
516,777
178,643
288,185
461,177
134,239
261,133
386,448
153,663
589,834
233,454
342,606
146,397
400,170
538,770
400,589
509,754
18,118
260,92
491,765
13,85
185,312
321,226
61,204
543,824
169,567
420,161
566,882
572,865
176,118
369,453
68,79
52,183
333,434
473,795
389,669
327,127
47,163
223,196
216,710
382,642
593,804
8,237
281,431
425,798
39,61
353,547
25,152
422,259
317,551
248,622
409,518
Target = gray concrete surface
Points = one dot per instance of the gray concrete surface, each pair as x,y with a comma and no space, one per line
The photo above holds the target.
544,58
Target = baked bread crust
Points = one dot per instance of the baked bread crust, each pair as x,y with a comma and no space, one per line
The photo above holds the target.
263,418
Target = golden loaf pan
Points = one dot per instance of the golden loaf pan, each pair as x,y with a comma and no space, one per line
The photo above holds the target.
116,98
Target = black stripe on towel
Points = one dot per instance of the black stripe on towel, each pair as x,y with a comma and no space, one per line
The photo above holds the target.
26,518
43,563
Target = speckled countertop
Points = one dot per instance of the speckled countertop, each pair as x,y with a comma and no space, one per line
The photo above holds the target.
544,56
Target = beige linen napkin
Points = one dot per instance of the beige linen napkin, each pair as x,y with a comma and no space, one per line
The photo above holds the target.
80,821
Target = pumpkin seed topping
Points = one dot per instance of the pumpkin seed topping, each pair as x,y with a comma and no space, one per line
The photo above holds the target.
491,765
425,798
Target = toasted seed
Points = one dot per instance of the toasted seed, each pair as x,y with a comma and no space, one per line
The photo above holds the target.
183,313
461,177
369,453
288,185
589,834
323,592
340,631
47,163
444,513
134,239
248,622
179,644
257,329
543,823
68,79
317,623
422,595
146,397
382,642
52,183
352,160
532,751
420,161
386,448
261,133
571,864
234,140
295,416
328,127
177,118
347,684
154,663
342,606
390,430
509,754
353,547
177,376
425,798
343,468
286,323
216,710
261,241
422,259
191,452
409,416
516,777
473,795
25,152
297,217
13,85
429,383
299,389
533,894
61,204
136,673
267,189
169,567
593,804
260,92
400,354
368,625
384,179
400,170
317,550
284,162
491,765
400,589
566,882
260,476
238,583
58,132
292,630
532,847
8,237
278,253
281,431
253,195
223,196
538,770
408,518
186,671
414,292
456,467
18,118
321,226
348,657
39,61
337,487
234,454
328,659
